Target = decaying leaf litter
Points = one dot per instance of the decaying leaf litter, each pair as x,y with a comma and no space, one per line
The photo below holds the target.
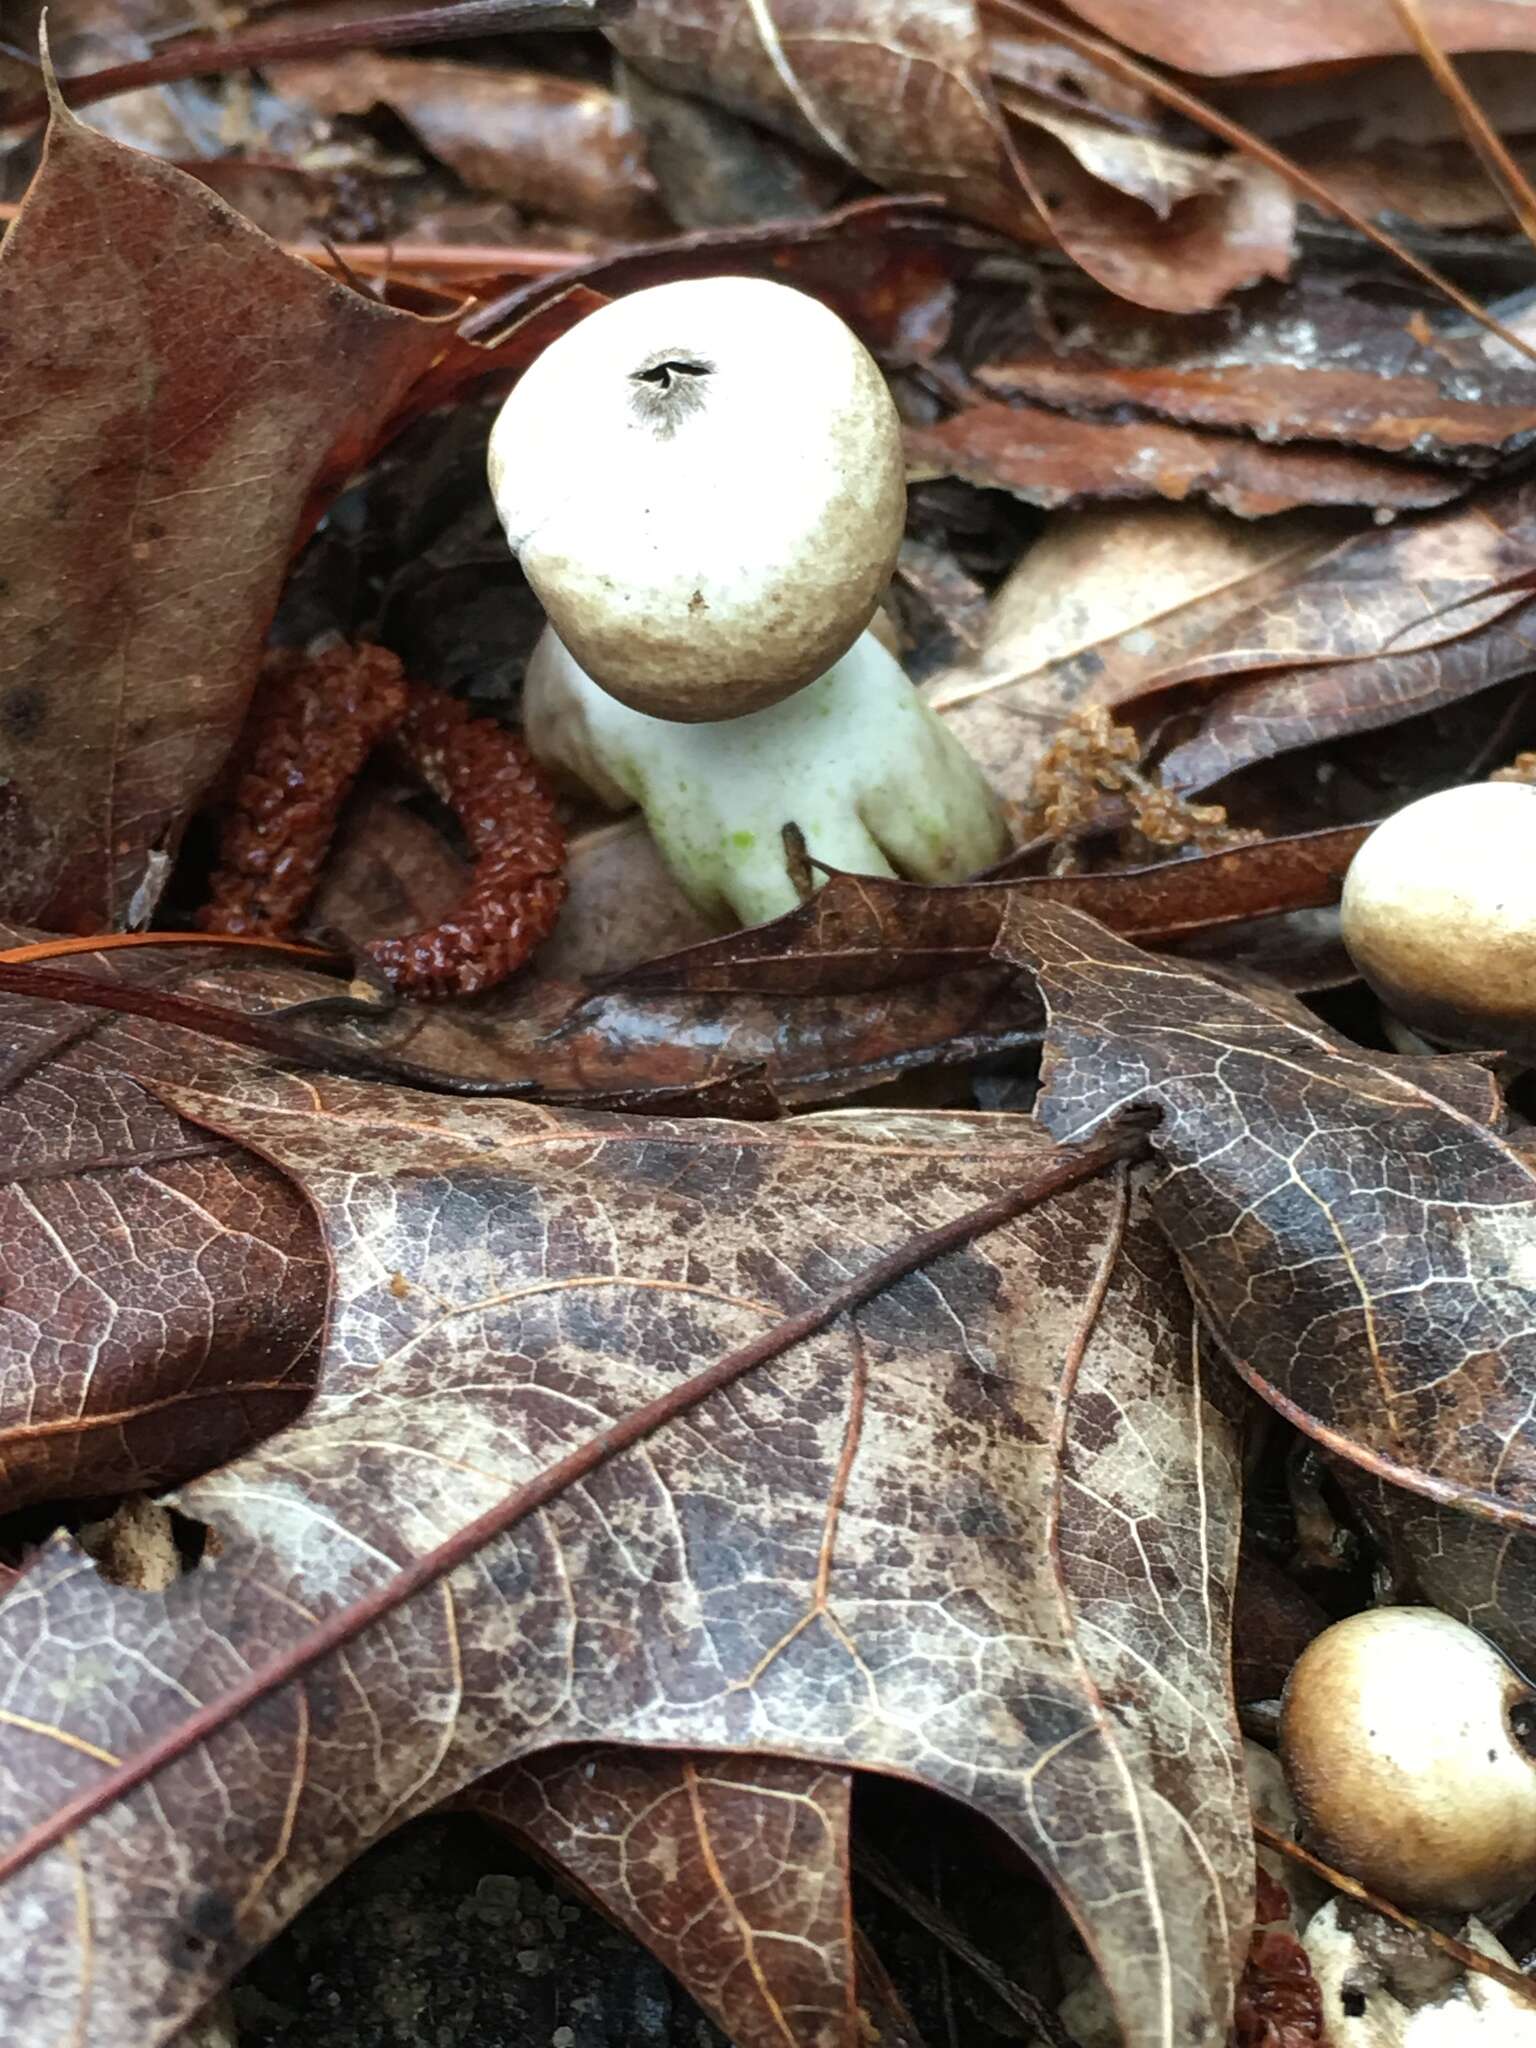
1218,550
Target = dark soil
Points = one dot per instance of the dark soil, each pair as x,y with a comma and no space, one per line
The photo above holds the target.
446,1937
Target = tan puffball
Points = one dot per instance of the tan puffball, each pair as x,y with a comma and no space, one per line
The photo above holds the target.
705,485
1398,1743
1439,915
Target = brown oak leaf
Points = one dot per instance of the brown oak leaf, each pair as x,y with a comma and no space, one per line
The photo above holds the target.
1354,1229
981,1533
162,1290
733,1870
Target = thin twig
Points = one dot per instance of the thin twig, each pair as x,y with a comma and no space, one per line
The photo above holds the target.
444,259
117,942
1063,1167
425,259
1470,1958
200,56
1115,60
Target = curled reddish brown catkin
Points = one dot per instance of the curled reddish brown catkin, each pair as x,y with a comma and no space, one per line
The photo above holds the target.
313,723
493,784
312,728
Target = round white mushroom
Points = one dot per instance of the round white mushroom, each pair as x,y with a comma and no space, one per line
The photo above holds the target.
1439,915
1403,1737
704,484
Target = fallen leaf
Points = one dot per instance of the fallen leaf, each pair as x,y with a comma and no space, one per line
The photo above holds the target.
1387,626
1362,1243
162,1291
1314,362
733,1870
1100,602
176,388
1048,459
864,932
1142,166
560,147
1133,215
644,1052
980,1535
1482,1572
715,170
895,89
1272,1624
888,266
1272,35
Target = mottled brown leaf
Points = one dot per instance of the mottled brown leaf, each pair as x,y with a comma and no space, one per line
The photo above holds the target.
733,1870
864,932
980,1534
895,89
1269,35
1156,225
637,1051
175,388
1385,627
887,266
1272,1624
1364,1248
1312,363
560,147
161,1290
899,90
613,1047
1480,1571
1102,600
1049,459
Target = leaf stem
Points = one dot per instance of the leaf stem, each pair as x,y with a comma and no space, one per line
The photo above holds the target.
1063,1167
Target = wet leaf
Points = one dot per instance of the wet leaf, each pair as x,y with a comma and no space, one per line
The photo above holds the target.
1482,1572
1273,1623
899,91
1154,224
1102,601
1310,363
1253,35
733,1870
161,1289
715,169
177,388
645,1051
895,89
839,1558
887,266
555,146
1049,459
1387,626
1362,1244
863,932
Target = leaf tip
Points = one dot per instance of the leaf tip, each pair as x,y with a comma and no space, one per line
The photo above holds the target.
57,110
